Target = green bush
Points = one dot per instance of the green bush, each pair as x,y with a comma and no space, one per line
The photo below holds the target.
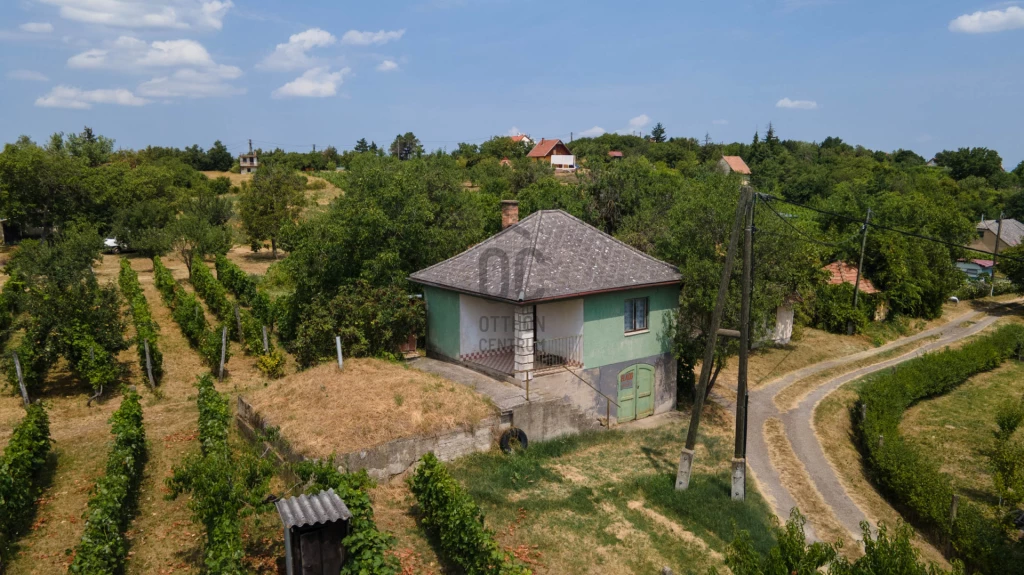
222,488
974,289
452,515
244,287
103,547
23,458
913,480
214,293
833,308
187,312
146,327
215,296
36,353
369,549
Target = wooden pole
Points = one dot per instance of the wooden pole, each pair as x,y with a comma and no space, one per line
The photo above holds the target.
21,380
686,458
149,364
741,383
953,507
995,257
223,350
266,344
860,264
238,322
337,342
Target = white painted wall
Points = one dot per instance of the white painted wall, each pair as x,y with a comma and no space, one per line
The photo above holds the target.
559,319
783,324
563,160
484,324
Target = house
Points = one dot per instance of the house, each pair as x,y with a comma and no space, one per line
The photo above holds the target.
976,268
842,272
615,154
522,138
248,162
1010,235
555,152
734,164
506,162
556,304
932,163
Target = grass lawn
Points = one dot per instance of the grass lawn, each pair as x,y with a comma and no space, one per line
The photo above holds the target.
598,502
957,428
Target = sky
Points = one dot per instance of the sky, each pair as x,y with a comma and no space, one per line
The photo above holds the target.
925,75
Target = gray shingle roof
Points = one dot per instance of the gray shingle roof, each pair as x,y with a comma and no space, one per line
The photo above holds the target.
548,255
1012,232
324,507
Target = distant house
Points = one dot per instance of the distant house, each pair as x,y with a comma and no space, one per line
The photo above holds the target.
932,163
555,302
522,138
842,272
976,268
506,162
248,162
554,152
734,164
615,154
1010,235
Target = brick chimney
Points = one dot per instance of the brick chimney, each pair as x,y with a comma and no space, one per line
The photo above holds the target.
509,213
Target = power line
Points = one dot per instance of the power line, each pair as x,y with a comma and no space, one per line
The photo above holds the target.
804,236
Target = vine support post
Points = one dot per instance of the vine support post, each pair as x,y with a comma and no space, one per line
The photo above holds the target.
238,322
21,379
223,350
266,344
337,342
954,505
149,364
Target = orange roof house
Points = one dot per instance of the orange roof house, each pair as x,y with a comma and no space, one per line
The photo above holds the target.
555,152
521,138
614,154
506,162
844,273
729,164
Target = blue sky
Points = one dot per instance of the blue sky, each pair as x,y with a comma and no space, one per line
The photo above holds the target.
924,75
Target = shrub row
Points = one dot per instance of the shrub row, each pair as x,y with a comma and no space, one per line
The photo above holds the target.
369,549
910,477
244,287
103,547
458,523
145,326
36,353
10,305
23,458
978,289
187,312
213,293
222,488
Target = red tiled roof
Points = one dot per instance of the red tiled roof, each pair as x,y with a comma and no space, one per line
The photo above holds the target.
984,263
518,137
543,148
615,154
737,164
844,273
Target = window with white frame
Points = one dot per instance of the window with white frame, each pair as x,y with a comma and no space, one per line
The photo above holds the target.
635,315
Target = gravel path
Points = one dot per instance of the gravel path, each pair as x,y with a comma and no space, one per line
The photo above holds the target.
798,422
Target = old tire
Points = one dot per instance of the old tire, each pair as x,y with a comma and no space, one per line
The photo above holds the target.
511,438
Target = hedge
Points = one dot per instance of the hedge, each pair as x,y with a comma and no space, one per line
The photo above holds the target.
368,548
452,515
909,476
244,287
146,327
222,488
214,294
103,547
23,458
187,312
36,353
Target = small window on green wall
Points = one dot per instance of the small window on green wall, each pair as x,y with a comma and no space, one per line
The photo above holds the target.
636,314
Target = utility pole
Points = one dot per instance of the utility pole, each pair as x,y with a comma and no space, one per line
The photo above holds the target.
739,462
686,457
314,148
250,146
860,264
995,256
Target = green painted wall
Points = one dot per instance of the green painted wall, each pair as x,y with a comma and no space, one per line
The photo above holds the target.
604,338
442,321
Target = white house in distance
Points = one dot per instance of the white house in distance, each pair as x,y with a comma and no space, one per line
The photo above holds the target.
555,152
248,162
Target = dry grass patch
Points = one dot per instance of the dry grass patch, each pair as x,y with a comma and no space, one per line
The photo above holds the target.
322,411
236,179
254,262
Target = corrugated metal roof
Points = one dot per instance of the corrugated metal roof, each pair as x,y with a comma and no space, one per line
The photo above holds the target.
324,507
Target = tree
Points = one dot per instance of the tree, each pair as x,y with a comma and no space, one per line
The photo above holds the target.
192,236
361,146
658,133
94,149
406,146
966,162
273,199
218,158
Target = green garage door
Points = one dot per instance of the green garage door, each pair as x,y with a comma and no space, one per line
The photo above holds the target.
636,392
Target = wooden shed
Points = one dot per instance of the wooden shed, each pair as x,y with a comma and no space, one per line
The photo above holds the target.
314,526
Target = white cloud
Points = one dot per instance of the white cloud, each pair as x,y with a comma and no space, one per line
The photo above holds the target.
131,54
315,83
78,99
357,38
292,54
387,66
636,124
720,122
27,75
188,83
797,104
514,131
145,14
592,132
991,21
37,27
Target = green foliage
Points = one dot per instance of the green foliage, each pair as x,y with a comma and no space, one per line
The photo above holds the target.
188,314
23,459
103,547
372,321
1007,456
451,514
223,488
406,146
834,311
972,289
214,294
889,553
146,327
369,549
246,290
913,480
273,199
967,162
